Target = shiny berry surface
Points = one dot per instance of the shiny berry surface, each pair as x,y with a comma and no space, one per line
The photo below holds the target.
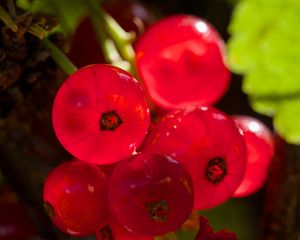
75,198
181,61
114,231
100,114
260,149
150,194
206,142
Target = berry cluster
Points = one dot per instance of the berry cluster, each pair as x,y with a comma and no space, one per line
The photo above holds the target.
196,157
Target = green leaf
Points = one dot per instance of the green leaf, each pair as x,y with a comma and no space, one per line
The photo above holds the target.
287,121
265,47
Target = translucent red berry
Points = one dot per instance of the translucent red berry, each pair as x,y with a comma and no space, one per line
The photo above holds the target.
75,198
260,148
206,142
181,61
150,194
100,114
114,231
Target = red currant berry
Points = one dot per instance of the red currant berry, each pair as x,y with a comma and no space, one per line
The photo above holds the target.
100,114
150,194
75,198
185,69
206,141
115,231
260,148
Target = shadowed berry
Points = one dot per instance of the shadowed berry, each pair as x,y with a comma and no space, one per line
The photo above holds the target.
150,194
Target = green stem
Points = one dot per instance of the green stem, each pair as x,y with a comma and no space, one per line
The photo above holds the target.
109,49
60,58
4,16
121,38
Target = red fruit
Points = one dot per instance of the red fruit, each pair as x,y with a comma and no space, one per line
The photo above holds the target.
115,231
207,233
100,114
150,194
75,197
181,61
260,149
205,141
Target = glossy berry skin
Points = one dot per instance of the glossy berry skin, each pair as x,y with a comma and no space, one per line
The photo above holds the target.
100,114
181,61
260,149
75,198
150,194
206,142
114,231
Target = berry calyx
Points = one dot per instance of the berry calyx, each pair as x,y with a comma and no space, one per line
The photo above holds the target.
150,194
216,170
110,121
98,107
158,210
49,210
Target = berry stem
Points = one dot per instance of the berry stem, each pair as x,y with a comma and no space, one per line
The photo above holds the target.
60,58
4,16
110,51
120,37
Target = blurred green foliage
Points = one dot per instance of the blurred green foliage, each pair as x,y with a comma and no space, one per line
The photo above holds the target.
265,48
68,12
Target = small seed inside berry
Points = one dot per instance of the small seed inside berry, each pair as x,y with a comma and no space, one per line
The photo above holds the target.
158,210
216,170
110,121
